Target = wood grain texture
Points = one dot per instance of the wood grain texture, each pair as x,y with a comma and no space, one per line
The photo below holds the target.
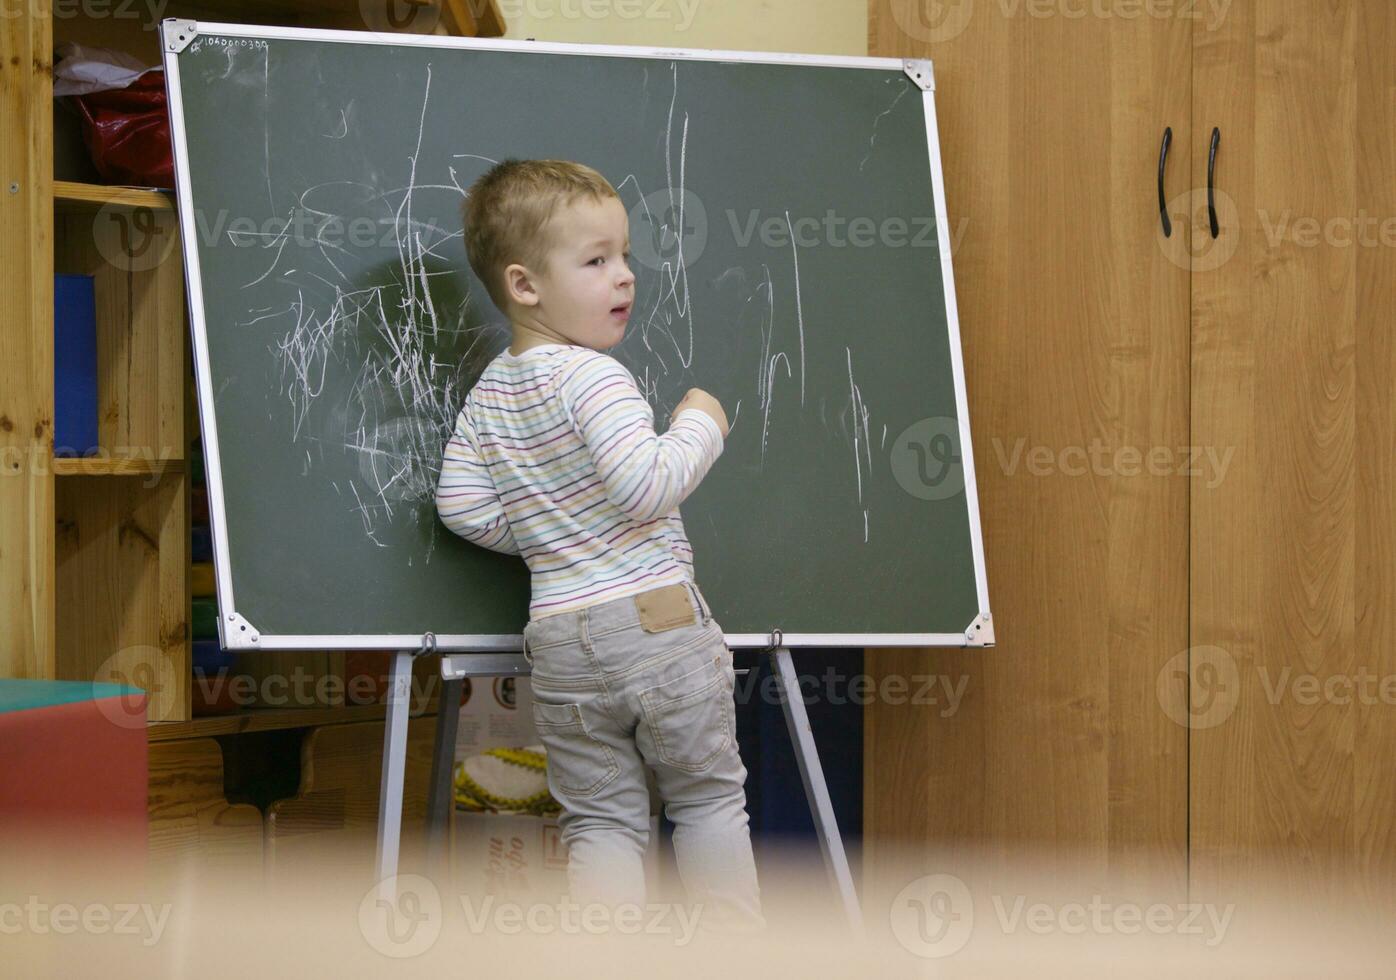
190,818
334,817
26,343
122,560
1293,364
1074,318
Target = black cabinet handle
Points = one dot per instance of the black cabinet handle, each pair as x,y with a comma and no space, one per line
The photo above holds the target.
1211,181
1162,201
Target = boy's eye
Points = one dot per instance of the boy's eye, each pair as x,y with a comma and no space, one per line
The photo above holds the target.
599,258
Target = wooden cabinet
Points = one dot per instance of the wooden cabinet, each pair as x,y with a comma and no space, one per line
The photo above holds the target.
1074,318
1293,586
1184,447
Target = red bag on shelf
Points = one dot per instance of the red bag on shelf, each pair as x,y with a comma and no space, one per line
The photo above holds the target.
127,132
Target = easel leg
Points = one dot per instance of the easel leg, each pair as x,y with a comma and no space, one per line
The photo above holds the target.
394,762
441,793
816,790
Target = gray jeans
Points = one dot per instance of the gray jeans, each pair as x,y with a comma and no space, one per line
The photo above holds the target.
645,681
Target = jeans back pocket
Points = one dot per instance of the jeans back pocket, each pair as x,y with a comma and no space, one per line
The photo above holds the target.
688,716
579,764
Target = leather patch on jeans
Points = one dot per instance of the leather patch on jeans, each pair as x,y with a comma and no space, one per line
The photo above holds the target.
665,608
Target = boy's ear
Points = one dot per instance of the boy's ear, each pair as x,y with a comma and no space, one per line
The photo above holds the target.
518,282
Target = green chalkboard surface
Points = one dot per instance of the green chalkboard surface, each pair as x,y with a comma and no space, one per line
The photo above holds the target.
789,238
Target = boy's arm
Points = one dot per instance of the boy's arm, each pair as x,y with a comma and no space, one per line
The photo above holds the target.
466,497
645,475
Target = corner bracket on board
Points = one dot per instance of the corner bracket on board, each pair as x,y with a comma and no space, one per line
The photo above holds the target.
980,633
178,33
239,634
920,71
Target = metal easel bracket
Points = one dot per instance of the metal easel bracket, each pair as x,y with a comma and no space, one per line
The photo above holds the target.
239,634
920,71
980,633
455,666
179,33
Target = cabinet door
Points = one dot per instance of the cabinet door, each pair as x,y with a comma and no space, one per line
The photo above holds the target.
1060,743
1293,584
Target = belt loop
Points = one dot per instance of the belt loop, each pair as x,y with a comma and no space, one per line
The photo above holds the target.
527,654
702,603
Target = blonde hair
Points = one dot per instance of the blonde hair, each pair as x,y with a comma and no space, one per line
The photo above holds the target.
507,210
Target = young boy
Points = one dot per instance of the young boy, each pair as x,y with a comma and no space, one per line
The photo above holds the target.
555,458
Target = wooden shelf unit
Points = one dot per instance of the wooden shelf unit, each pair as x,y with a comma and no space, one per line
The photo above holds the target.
121,543
95,582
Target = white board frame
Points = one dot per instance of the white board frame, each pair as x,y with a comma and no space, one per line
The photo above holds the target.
236,633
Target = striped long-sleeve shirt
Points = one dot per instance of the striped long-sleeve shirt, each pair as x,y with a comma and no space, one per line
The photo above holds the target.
555,458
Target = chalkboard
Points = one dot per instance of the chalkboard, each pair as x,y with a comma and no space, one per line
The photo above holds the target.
791,248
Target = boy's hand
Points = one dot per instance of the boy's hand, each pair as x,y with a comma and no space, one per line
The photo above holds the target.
700,399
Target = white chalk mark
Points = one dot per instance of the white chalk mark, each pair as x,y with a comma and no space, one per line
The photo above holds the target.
266,123
799,313
343,127
766,418
873,139
860,434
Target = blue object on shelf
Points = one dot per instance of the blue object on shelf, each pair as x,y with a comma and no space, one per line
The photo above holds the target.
200,543
208,656
74,366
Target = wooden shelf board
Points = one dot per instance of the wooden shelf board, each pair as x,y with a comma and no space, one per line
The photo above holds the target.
107,466
71,196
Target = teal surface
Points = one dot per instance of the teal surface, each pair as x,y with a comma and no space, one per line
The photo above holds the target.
21,695
344,327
